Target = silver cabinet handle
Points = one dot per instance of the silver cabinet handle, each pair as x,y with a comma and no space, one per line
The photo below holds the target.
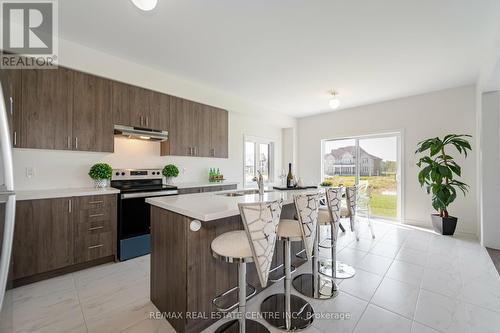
96,228
195,151
69,142
96,215
76,142
15,138
147,121
95,202
70,208
11,106
95,246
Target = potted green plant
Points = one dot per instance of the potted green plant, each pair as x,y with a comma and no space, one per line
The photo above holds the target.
439,175
101,173
170,171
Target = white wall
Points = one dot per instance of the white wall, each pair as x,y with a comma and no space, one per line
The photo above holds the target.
418,117
62,169
490,168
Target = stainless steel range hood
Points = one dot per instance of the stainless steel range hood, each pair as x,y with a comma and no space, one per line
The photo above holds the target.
140,133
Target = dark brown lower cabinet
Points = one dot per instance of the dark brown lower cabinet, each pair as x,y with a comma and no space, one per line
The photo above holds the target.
52,235
43,236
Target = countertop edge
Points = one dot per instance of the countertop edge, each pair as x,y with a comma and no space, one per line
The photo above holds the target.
24,195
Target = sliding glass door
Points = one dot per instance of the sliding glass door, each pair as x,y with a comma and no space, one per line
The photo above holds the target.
371,159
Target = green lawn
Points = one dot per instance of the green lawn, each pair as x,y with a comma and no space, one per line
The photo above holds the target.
382,205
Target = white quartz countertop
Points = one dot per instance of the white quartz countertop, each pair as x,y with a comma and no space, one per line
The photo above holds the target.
212,206
62,193
202,184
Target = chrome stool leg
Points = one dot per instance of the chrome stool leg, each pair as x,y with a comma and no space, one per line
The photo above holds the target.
313,284
242,325
341,270
286,311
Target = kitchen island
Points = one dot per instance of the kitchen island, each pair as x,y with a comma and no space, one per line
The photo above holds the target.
184,275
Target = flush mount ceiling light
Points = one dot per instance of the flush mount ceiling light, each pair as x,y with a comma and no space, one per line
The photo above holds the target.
334,101
145,5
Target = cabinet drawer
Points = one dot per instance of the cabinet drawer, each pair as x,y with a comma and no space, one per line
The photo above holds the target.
96,202
94,245
93,226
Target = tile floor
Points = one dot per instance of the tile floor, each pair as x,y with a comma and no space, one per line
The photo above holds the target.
407,280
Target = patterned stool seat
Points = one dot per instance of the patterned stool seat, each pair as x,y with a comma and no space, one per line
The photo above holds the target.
324,216
233,245
289,229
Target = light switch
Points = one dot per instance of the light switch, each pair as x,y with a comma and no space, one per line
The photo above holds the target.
30,172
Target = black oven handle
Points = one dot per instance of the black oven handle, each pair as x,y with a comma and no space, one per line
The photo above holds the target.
148,194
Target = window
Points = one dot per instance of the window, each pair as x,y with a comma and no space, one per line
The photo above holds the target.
259,156
373,159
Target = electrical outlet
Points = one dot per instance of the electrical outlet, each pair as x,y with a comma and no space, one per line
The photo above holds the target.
30,172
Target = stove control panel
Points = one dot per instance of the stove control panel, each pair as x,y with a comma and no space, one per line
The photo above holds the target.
128,174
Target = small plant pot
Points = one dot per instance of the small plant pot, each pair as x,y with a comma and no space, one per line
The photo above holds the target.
169,180
100,183
444,225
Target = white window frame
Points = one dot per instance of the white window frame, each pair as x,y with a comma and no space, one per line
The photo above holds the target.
258,140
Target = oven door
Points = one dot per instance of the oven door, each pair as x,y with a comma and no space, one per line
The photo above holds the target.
134,223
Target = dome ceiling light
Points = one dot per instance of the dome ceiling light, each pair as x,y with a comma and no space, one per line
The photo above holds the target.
145,5
334,100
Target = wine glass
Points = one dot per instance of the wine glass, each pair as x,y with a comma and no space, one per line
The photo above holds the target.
282,176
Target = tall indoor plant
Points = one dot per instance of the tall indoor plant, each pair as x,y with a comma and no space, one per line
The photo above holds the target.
439,176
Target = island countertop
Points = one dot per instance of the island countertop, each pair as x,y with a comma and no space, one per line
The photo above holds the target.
216,205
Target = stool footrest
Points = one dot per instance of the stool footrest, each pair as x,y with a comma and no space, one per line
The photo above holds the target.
217,299
326,246
293,270
301,255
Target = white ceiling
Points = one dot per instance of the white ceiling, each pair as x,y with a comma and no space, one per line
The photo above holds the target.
286,55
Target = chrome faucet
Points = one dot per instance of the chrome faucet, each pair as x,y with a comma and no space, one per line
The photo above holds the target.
260,182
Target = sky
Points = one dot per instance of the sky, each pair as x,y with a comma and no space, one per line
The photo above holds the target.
385,148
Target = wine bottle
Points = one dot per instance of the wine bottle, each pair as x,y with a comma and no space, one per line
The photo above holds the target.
289,177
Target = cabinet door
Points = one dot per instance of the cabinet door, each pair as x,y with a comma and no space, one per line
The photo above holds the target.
159,111
139,107
219,133
11,86
120,104
43,236
180,135
201,129
92,116
47,106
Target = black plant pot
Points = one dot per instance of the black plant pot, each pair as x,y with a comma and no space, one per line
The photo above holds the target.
444,225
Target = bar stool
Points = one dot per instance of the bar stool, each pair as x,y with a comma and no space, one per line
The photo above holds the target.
254,244
286,311
356,202
331,215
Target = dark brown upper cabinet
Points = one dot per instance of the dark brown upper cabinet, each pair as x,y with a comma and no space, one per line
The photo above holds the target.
139,99
159,111
180,138
11,86
219,133
120,103
92,115
47,108
139,107
196,130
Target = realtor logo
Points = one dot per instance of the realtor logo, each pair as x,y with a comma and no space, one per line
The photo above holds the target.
29,30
